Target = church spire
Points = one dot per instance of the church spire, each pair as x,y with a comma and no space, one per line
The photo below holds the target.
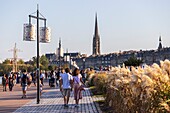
96,26
96,39
160,43
59,43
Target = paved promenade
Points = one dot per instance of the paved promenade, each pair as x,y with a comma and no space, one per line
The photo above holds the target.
11,100
52,102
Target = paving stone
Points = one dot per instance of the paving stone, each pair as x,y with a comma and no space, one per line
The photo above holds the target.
52,102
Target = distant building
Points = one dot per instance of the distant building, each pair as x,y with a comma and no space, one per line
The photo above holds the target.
97,60
114,59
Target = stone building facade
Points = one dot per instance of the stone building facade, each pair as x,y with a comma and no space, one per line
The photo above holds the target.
97,60
114,59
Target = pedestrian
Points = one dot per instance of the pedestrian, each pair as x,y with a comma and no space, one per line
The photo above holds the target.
10,82
52,79
42,76
78,86
34,78
46,75
58,74
14,78
66,83
41,88
24,80
7,80
83,73
4,81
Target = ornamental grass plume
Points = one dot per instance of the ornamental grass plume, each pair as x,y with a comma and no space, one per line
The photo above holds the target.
146,81
141,90
165,65
90,77
100,82
165,107
125,71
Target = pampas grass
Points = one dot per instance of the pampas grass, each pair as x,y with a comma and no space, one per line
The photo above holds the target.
141,90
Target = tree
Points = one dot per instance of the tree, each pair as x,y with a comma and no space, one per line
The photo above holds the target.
51,67
133,61
6,66
7,61
21,62
44,62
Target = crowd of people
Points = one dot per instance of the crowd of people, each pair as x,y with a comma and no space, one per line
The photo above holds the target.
63,79
9,80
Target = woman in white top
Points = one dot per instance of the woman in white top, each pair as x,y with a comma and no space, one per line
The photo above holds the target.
77,80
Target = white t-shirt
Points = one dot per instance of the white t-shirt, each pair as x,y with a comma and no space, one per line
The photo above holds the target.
66,77
42,75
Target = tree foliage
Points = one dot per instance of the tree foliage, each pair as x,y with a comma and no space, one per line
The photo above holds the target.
6,65
133,61
44,62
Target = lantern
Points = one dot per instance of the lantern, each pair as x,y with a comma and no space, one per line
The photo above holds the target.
29,32
45,34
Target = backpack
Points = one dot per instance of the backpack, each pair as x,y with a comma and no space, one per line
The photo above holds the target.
58,75
24,79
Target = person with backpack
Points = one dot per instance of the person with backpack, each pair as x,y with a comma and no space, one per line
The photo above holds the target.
4,82
24,80
10,82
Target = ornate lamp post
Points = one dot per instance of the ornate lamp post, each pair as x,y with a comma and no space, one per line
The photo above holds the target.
29,35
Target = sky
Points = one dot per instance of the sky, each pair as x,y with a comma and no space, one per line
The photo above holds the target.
123,25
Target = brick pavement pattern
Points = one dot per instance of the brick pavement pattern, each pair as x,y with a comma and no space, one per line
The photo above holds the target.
52,102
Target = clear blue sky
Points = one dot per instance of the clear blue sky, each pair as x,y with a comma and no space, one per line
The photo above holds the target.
123,25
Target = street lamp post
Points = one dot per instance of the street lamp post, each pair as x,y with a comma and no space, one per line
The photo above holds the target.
45,37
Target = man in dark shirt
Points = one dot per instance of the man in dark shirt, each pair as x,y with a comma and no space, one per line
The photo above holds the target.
24,80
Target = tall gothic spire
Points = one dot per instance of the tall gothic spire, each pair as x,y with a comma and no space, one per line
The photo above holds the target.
160,43
59,43
96,39
96,27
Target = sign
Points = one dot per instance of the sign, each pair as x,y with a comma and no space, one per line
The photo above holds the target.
45,34
29,32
